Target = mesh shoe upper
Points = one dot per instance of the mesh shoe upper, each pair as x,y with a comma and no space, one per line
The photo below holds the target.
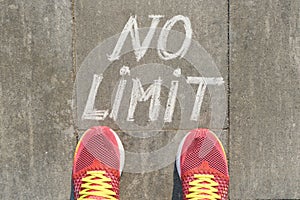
99,158
202,166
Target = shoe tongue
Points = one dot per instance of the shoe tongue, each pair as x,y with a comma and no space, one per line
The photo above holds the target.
96,198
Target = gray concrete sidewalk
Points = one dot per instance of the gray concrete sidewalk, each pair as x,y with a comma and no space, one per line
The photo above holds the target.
255,44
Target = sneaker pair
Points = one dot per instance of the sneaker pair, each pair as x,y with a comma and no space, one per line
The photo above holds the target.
99,161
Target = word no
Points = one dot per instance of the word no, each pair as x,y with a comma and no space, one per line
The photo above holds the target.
140,49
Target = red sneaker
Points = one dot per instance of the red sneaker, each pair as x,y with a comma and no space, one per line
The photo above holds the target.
98,163
202,166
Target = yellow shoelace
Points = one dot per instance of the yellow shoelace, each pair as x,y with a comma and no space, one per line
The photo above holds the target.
203,187
96,184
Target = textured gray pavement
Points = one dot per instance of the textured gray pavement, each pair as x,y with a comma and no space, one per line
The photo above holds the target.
255,44
265,99
36,140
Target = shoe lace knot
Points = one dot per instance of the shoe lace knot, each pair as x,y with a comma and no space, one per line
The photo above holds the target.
96,185
203,187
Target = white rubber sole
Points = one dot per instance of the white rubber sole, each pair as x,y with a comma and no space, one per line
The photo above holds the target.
121,151
179,154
